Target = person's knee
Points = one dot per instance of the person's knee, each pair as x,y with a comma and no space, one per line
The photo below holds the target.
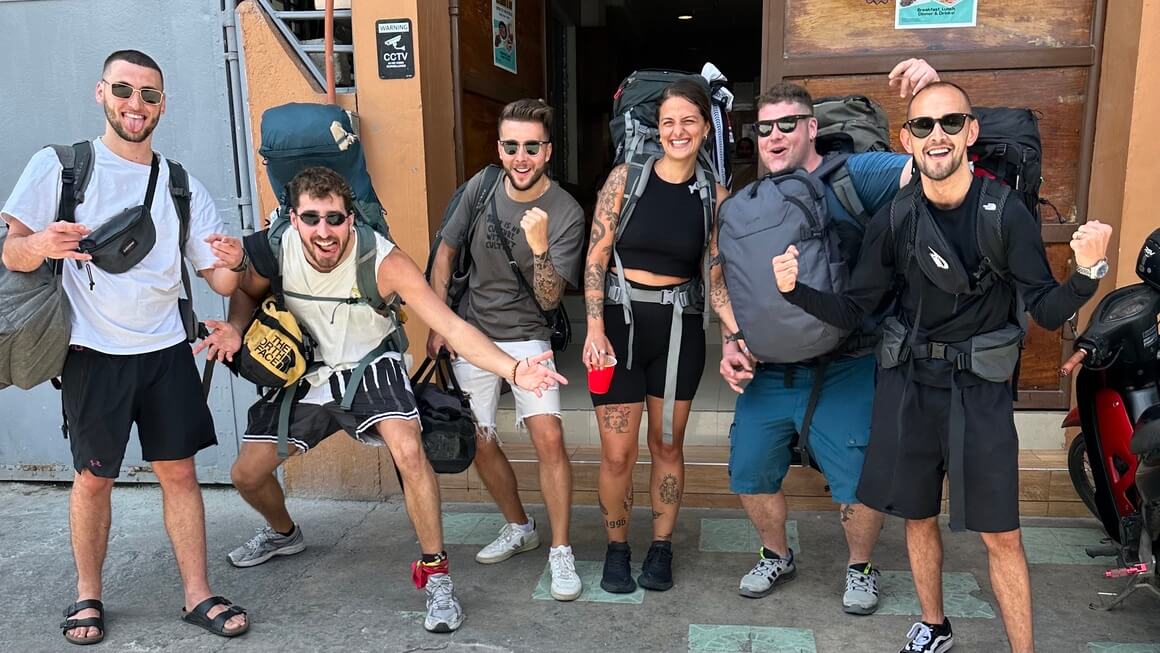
618,461
1007,543
245,477
91,484
548,437
666,452
409,457
176,473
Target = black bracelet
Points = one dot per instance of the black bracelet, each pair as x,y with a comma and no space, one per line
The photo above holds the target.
734,337
241,267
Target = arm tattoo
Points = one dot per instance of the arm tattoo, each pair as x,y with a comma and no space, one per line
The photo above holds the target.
548,285
734,337
604,223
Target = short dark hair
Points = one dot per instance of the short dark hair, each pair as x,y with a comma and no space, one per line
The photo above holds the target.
528,110
319,182
786,92
687,89
135,57
938,84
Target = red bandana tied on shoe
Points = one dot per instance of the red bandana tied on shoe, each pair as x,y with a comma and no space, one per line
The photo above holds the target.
421,571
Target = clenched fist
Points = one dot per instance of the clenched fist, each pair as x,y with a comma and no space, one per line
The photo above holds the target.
785,269
1090,242
535,226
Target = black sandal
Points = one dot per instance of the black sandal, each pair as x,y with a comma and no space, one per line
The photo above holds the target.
199,616
88,622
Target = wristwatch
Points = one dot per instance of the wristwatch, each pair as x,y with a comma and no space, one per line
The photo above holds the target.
1096,271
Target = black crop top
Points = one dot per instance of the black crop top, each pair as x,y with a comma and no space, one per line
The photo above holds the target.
666,231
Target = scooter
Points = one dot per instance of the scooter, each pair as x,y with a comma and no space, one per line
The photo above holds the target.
1114,463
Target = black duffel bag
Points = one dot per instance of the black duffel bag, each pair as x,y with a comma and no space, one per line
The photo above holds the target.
445,415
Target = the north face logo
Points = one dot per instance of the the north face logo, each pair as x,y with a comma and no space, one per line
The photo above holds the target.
989,206
938,260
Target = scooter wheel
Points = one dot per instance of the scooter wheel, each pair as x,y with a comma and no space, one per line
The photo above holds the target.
1079,469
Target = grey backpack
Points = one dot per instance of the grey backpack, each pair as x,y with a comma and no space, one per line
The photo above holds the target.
853,123
762,221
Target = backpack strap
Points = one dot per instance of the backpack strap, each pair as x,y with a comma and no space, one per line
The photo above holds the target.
366,272
179,192
989,227
635,181
265,262
76,161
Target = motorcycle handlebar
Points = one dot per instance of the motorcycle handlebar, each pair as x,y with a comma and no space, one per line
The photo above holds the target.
1075,361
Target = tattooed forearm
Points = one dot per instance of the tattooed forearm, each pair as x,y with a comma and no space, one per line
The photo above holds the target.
594,290
600,241
548,285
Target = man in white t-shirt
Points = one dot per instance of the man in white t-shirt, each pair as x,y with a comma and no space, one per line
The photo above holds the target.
319,260
128,360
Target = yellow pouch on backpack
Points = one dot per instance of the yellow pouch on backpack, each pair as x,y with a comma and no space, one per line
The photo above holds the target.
275,352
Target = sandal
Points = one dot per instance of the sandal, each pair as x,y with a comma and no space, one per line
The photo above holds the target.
88,622
199,616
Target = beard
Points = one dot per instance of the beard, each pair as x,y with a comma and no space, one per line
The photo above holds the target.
114,119
332,261
938,171
537,174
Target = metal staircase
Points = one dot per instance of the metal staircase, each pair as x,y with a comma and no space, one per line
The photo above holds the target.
311,51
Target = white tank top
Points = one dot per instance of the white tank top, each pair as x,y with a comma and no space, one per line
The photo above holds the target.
345,332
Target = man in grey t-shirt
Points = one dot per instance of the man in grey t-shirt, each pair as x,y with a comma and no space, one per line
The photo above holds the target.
544,227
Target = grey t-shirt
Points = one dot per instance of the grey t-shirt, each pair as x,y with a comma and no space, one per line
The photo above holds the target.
495,301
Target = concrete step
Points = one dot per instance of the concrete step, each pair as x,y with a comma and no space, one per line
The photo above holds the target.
1044,487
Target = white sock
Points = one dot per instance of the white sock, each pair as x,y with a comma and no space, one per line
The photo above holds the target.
566,548
526,528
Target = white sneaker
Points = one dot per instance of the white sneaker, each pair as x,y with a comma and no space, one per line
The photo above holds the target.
566,584
512,540
444,614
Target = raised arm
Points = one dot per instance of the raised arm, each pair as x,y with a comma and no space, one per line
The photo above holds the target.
604,222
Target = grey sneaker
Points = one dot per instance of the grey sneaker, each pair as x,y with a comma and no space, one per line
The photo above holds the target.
861,595
266,544
511,541
767,574
444,613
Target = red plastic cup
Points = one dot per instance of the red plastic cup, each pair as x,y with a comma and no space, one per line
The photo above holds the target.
600,379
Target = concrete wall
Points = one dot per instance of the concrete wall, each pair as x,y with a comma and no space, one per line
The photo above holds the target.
50,62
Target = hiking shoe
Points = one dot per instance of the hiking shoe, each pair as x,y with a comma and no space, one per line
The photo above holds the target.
861,595
512,540
617,577
444,613
766,574
927,638
566,584
657,572
266,544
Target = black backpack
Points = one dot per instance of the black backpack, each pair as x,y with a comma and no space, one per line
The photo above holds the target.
1010,151
492,176
633,126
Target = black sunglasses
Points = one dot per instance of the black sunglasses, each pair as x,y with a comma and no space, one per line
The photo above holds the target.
785,124
125,91
312,218
951,123
531,147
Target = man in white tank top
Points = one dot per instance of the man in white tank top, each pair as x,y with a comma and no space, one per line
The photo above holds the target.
318,259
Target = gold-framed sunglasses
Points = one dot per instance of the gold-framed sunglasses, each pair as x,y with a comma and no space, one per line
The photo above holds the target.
125,91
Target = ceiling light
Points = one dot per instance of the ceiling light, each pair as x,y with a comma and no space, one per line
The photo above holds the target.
685,17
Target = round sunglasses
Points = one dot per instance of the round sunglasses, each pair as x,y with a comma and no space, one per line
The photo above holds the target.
312,218
784,124
125,91
951,123
531,147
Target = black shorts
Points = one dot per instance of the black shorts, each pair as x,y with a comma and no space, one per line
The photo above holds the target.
652,323
903,473
385,393
105,394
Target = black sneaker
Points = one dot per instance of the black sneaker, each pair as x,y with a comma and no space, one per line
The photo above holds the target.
929,638
617,577
657,572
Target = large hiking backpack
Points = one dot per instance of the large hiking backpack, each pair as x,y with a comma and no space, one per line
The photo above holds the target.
1009,150
297,136
849,124
634,118
491,176
761,221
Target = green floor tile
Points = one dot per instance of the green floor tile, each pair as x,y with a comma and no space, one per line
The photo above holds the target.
589,572
1112,647
1062,546
739,536
897,597
478,528
749,639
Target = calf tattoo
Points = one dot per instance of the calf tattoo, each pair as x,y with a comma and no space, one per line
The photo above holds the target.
657,515
847,512
670,493
628,499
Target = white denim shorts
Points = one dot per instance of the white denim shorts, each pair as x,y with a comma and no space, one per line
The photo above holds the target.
483,388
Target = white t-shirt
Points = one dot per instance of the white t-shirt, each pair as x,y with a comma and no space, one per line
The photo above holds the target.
345,332
134,312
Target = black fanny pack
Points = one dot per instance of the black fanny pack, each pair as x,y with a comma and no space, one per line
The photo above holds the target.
125,239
